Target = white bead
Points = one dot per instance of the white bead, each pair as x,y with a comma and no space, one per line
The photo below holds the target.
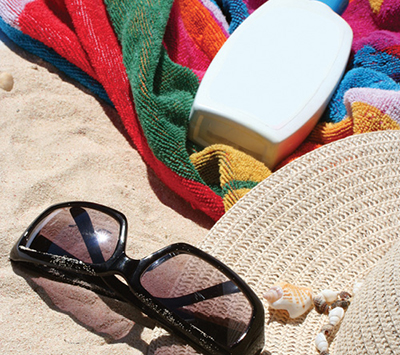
336,315
321,343
329,295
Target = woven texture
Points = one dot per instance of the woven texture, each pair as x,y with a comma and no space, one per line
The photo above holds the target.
372,322
323,221
147,58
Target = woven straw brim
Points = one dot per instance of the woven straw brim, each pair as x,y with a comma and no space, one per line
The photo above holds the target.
372,322
322,221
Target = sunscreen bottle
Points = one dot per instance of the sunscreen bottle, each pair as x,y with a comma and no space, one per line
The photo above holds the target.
272,79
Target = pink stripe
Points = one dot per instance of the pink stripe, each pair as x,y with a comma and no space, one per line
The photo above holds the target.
359,16
10,10
253,5
387,101
180,46
219,17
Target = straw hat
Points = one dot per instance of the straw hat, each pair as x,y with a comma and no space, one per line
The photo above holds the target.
328,220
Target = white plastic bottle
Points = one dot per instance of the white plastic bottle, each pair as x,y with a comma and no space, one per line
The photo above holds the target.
271,81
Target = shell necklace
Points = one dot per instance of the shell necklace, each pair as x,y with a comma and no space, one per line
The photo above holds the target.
297,300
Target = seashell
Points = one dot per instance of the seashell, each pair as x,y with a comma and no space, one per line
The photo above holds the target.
336,315
344,295
320,304
296,300
273,294
327,329
321,343
329,295
341,303
6,81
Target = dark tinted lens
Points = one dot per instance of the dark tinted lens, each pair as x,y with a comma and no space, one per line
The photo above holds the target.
80,233
201,295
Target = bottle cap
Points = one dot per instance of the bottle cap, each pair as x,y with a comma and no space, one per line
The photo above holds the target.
336,5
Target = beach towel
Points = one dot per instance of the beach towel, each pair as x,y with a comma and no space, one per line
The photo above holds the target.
146,58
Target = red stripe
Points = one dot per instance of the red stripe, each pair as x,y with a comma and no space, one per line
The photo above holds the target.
41,23
95,49
393,50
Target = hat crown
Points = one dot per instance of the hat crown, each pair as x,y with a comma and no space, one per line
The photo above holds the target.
372,322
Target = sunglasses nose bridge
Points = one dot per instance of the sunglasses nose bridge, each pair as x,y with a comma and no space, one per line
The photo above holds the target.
124,265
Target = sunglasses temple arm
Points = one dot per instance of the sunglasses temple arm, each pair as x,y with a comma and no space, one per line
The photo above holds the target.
224,288
125,293
220,330
47,246
85,226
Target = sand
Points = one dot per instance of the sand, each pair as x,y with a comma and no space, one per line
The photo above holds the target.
60,143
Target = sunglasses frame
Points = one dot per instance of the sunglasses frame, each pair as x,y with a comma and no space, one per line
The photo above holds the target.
131,269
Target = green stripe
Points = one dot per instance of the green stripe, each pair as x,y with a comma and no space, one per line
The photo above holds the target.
163,91
237,185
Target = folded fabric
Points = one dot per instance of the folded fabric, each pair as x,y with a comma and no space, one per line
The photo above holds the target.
146,58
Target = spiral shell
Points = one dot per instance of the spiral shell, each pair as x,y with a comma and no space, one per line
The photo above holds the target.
321,343
320,304
341,303
345,296
329,295
296,300
336,315
274,294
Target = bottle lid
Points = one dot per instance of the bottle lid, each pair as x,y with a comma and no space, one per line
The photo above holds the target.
336,5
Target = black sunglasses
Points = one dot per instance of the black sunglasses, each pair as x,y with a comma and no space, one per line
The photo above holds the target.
189,292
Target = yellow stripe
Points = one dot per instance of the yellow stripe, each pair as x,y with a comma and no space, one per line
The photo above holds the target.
368,118
376,5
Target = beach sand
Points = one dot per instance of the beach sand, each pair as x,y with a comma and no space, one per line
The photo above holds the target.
60,143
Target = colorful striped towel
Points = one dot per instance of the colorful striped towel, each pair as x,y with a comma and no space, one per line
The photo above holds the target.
147,57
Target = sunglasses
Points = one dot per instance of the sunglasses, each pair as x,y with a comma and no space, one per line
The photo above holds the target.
186,290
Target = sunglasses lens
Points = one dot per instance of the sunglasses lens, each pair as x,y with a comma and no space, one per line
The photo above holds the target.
201,295
81,233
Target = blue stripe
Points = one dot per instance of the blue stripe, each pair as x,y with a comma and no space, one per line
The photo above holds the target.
41,50
371,69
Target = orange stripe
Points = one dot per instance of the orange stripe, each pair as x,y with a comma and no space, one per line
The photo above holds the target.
201,26
324,133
